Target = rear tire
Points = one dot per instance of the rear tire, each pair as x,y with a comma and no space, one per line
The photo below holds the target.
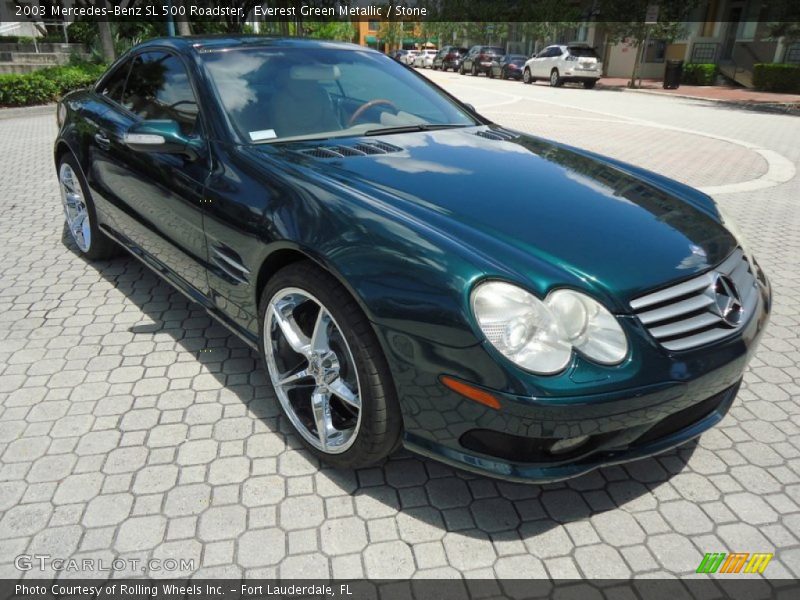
359,431
80,213
589,84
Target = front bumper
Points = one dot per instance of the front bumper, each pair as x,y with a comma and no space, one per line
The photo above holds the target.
670,400
639,440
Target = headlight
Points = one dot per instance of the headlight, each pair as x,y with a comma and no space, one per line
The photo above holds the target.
733,228
590,328
61,114
540,336
521,327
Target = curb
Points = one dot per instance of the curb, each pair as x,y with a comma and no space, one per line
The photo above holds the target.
790,108
27,111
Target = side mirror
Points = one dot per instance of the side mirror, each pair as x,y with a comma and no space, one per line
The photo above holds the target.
470,108
161,136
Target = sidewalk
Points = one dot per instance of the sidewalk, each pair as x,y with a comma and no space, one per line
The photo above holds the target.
728,94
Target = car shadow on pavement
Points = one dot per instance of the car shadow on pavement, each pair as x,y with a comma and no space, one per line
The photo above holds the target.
407,495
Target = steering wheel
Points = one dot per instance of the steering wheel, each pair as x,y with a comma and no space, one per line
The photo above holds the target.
366,106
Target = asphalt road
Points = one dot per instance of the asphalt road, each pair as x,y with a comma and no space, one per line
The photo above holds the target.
119,438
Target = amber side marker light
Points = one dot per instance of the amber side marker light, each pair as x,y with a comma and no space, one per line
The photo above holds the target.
470,391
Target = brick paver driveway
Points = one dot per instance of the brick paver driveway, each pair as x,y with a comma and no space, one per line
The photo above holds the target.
133,426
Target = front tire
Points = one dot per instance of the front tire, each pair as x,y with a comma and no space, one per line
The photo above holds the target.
526,76
555,78
589,84
330,376
80,213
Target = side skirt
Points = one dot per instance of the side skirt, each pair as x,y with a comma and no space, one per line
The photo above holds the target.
191,293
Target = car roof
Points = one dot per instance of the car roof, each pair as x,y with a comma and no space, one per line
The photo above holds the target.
210,43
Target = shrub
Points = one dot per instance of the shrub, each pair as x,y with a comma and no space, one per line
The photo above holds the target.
777,78
46,85
699,74
24,90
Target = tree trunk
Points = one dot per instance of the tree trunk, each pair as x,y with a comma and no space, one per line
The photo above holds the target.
106,41
184,27
632,82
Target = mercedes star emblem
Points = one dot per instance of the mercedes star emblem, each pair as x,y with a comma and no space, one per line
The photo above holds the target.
726,301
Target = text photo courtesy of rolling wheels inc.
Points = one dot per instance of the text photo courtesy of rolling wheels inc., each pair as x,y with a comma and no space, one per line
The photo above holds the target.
495,305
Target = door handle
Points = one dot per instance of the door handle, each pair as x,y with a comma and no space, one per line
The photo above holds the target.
102,140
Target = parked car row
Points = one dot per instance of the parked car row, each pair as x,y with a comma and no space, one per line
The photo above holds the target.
557,64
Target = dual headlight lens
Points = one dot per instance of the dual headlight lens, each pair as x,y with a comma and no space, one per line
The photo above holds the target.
540,336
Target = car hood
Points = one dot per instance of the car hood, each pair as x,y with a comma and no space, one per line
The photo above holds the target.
617,229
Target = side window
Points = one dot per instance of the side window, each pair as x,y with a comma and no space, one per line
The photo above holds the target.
115,83
555,52
159,88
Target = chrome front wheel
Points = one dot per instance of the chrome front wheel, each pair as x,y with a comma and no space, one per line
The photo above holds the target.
75,208
312,369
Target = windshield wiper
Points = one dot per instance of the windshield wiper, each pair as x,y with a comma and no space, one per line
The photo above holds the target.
410,128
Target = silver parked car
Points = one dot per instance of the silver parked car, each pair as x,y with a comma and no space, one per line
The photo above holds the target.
425,59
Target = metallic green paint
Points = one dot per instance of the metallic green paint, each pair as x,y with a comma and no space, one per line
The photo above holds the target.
409,234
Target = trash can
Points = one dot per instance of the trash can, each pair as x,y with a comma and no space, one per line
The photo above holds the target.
672,74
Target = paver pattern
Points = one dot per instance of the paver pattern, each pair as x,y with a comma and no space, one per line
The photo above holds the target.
133,426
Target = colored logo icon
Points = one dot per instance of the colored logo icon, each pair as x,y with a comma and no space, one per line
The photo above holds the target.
737,562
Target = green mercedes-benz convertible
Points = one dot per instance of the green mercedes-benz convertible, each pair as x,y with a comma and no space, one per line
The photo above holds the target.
412,273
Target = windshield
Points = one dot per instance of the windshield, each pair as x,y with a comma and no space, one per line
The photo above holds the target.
278,94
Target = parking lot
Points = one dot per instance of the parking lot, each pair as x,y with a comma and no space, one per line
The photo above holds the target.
133,426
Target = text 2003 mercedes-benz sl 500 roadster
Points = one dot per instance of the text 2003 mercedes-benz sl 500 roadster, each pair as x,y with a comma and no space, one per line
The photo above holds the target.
412,273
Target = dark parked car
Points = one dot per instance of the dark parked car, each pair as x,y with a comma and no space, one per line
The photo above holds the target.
449,57
479,59
508,66
412,273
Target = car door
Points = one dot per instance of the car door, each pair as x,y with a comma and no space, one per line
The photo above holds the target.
557,61
156,198
535,63
540,63
497,65
470,58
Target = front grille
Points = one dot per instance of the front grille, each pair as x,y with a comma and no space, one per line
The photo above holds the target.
703,309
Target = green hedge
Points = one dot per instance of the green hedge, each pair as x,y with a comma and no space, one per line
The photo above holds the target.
46,85
699,74
22,39
777,78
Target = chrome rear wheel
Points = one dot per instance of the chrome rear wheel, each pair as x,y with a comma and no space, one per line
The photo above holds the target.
75,208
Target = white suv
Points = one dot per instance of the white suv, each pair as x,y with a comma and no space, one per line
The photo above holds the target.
559,64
